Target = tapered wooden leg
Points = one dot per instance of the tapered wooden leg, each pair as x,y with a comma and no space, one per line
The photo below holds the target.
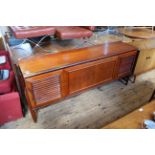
33,114
32,110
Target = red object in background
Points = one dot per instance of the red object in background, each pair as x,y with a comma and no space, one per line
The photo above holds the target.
24,32
62,32
10,106
6,85
72,32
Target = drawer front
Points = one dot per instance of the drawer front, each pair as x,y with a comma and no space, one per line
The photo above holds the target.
45,88
125,64
88,75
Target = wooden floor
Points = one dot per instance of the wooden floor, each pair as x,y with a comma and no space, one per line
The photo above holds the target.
94,108
135,119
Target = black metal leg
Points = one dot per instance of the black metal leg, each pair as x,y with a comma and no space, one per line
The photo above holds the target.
152,96
133,79
36,44
125,80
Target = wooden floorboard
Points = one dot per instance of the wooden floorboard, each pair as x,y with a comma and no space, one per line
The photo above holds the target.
135,119
94,108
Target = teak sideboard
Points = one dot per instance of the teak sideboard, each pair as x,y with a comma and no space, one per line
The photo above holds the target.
49,78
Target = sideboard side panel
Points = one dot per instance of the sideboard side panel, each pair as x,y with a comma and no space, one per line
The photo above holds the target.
125,64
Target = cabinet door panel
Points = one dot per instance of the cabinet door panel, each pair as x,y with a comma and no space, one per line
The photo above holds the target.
45,88
84,76
125,64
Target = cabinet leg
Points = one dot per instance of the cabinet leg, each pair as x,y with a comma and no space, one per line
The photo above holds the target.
133,79
125,80
34,114
152,96
32,110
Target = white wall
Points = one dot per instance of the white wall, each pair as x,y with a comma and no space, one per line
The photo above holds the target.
4,29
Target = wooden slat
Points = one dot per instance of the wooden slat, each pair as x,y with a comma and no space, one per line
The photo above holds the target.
46,89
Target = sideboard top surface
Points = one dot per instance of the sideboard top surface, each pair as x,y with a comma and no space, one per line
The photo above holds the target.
43,63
